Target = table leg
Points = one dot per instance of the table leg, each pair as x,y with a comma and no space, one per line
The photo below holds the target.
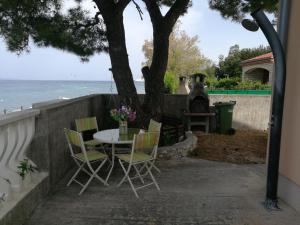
112,161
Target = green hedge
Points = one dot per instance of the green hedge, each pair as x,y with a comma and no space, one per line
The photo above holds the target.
240,92
235,84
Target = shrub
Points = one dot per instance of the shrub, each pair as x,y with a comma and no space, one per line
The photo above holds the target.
171,82
211,82
228,83
234,83
252,85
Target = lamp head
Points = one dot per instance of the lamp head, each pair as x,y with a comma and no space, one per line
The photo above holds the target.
250,25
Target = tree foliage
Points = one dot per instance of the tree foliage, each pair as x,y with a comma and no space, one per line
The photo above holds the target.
234,83
86,32
171,82
185,57
237,9
45,24
231,65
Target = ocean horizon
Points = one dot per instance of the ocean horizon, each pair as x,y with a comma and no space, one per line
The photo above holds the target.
15,94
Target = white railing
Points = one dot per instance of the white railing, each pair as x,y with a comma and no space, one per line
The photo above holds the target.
16,133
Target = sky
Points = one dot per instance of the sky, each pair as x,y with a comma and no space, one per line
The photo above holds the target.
216,35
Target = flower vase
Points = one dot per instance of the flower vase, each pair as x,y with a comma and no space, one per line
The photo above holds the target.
123,127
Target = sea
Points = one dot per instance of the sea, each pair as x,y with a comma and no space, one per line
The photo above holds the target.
17,94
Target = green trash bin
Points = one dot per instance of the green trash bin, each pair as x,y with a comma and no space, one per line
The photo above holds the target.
224,112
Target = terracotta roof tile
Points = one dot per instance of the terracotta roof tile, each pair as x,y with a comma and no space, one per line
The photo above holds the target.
261,59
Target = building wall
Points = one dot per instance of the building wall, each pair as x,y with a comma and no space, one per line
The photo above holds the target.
289,181
251,112
249,72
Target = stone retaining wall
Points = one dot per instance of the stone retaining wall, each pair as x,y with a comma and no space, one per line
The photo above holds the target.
180,149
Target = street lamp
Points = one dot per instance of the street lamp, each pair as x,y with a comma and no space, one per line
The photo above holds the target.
261,21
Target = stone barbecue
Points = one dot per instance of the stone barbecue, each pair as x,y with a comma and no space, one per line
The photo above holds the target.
197,111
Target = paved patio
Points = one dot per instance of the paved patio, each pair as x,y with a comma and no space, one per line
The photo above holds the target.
192,192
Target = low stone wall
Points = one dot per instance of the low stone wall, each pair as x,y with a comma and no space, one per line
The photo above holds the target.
251,112
180,149
49,148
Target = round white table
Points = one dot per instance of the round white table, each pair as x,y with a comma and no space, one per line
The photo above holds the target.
113,137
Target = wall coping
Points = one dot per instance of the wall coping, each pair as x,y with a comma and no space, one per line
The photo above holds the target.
16,116
61,102
56,104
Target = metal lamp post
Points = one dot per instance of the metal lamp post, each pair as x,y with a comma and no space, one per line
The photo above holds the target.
276,42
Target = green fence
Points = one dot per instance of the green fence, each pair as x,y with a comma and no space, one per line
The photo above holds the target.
240,92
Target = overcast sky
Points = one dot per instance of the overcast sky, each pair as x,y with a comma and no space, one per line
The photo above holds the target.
216,36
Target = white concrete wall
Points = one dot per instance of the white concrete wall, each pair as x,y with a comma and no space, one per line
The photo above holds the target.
250,112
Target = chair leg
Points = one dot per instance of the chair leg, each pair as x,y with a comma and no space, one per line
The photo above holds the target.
94,175
138,174
152,177
126,173
128,178
76,173
98,177
152,165
155,167
107,153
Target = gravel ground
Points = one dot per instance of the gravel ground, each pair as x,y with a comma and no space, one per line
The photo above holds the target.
244,147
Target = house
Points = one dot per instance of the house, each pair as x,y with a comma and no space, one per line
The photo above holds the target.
289,169
259,68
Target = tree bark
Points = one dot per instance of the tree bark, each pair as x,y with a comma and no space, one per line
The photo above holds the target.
113,17
112,14
154,76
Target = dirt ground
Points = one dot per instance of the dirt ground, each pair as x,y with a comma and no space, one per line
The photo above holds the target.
244,147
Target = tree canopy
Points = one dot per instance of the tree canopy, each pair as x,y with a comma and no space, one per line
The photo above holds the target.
185,57
45,23
231,64
237,9
99,29
86,32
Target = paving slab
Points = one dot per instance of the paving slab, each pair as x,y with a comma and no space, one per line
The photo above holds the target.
193,191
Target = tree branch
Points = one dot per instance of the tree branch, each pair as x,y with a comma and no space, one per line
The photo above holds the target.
154,11
138,9
90,23
177,9
117,5
122,4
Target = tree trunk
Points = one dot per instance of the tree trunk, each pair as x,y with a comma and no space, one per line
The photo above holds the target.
154,76
113,18
112,14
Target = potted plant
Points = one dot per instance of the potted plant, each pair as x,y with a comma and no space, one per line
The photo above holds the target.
25,168
123,115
